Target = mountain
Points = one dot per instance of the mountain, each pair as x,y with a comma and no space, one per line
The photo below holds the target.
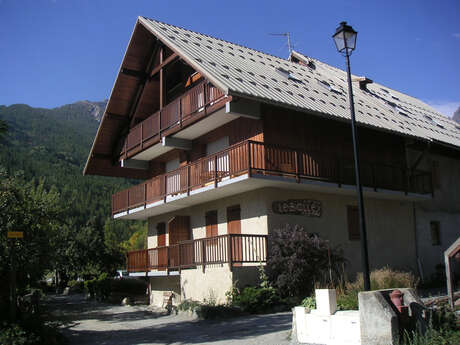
456,116
53,144
85,108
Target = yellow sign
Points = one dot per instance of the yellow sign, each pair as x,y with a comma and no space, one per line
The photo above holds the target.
15,234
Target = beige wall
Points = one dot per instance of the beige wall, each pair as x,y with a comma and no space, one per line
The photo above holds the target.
390,228
444,207
253,216
158,285
210,285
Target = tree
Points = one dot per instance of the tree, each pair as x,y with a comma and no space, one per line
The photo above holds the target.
29,208
3,128
299,260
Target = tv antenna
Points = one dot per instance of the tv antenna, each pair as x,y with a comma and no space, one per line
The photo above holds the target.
288,35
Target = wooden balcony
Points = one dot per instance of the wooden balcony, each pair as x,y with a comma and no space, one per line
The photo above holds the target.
228,249
261,159
195,104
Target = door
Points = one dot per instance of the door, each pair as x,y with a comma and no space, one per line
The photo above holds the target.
179,230
234,228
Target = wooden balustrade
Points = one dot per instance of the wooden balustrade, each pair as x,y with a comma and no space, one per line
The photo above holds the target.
171,116
225,249
261,158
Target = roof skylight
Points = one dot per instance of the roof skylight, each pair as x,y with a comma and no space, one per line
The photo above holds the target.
328,86
286,74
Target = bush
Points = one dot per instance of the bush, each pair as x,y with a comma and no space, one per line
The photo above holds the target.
99,287
309,302
16,335
76,286
385,278
256,299
188,305
298,261
129,286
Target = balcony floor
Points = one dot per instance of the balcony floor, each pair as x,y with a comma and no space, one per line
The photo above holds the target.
243,183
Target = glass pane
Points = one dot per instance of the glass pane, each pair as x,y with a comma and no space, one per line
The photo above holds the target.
339,41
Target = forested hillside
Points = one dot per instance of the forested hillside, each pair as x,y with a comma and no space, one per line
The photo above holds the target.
52,145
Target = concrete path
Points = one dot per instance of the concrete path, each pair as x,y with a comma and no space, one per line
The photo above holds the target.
86,323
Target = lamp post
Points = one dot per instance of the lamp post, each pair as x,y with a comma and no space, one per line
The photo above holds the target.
345,40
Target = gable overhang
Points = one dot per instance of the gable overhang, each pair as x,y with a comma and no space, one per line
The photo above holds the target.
103,158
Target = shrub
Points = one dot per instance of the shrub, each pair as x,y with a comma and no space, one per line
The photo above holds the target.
188,305
99,287
309,302
129,286
385,278
76,286
254,299
16,335
298,261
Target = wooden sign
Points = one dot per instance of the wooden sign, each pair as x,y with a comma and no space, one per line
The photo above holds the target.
303,207
15,234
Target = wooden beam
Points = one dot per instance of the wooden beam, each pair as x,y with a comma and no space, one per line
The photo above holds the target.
133,73
157,69
102,156
134,164
183,144
140,91
161,79
112,116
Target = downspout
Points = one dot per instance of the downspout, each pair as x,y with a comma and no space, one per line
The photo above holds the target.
417,258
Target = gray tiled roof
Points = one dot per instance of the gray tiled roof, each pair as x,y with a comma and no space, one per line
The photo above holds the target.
242,71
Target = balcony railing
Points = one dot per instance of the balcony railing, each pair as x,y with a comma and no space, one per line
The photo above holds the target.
260,158
172,117
228,249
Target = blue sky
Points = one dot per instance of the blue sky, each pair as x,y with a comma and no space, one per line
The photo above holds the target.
55,52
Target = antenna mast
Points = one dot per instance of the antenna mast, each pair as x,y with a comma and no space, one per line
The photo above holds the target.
288,35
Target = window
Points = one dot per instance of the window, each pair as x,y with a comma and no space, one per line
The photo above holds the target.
353,223
435,229
161,234
222,159
173,183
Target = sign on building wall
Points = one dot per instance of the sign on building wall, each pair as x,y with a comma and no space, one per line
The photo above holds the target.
303,207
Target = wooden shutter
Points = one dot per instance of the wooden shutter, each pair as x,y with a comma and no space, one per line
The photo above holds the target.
211,223
353,223
179,229
234,219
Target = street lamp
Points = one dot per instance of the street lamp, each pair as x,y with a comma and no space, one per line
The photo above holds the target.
345,41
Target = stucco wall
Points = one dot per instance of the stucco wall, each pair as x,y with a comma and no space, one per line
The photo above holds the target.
444,207
210,285
159,285
253,216
390,228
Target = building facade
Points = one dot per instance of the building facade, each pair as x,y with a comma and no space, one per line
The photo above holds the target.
232,143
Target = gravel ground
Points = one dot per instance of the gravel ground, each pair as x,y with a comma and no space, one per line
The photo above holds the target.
87,322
